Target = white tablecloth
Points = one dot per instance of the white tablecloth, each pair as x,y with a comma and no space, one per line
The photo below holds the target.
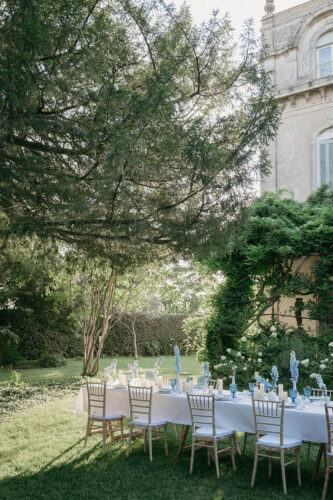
308,424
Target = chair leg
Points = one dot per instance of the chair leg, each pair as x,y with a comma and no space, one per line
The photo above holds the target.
150,445
87,431
244,444
145,440
208,456
166,440
255,465
192,454
122,431
129,440
216,459
269,465
232,451
236,444
327,473
298,465
174,430
283,472
104,433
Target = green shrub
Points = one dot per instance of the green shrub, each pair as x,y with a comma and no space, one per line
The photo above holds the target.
53,360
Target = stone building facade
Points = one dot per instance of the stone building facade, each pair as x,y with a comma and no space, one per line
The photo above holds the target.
300,59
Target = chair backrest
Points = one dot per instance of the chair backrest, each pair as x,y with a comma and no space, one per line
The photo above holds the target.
140,399
268,418
329,420
96,398
318,392
212,383
202,410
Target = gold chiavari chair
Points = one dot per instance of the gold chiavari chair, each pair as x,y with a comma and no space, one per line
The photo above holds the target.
98,421
329,452
205,432
212,383
269,423
140,400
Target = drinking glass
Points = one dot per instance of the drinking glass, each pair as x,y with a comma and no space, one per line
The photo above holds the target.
173,383
293,395
307,391
252,385
233,389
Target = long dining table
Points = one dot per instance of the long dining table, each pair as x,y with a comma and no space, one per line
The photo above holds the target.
307,424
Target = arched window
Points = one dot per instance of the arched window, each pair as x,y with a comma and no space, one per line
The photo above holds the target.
325,54
325,158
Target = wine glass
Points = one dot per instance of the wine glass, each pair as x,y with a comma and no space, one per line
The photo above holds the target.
293,395
252,385
233,389
307,391
173,383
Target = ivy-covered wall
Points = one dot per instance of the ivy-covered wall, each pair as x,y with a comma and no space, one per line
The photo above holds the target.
260,270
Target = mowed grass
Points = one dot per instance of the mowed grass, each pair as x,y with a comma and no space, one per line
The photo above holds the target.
42,457
74,368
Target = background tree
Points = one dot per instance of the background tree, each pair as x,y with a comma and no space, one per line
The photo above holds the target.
123,126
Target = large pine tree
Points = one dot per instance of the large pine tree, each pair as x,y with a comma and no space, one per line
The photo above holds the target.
122,125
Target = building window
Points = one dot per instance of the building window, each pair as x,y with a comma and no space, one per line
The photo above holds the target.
325,54
325,160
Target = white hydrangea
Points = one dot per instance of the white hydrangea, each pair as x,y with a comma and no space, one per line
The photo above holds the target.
326,360
259,331
228,350
305,362
243,357
216,367
223,358
322,366
259,354
239,354
332,354
244,368
330,344
250,359
313,375
259,360
243,339
272,328
274,334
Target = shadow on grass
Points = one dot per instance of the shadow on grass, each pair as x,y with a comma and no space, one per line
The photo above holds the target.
91,473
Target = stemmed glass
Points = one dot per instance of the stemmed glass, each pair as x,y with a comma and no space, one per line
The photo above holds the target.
233,389
293,395
252,385
173,383
307,391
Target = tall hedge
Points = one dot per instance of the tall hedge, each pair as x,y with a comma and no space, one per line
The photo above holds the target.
156,334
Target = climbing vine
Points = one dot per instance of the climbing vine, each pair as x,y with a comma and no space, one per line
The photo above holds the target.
268,261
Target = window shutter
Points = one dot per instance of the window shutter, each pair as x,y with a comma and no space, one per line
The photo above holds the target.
322,164
330,165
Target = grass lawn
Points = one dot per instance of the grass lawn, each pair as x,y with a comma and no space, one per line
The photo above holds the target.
42,454
42,457
74,368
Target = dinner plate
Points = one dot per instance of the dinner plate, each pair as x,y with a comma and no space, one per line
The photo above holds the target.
198,387
223,398
165,391
290,405
119,386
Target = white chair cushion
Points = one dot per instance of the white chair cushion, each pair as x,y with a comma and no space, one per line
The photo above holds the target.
207,431
97,416
144,422
273,440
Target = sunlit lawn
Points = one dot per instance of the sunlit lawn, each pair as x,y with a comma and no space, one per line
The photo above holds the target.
42,457
74,368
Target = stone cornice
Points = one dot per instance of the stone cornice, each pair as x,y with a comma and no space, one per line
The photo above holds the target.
305,88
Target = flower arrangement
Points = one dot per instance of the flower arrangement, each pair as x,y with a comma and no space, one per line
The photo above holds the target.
321,384
275,376
157,364
294,367
134,368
